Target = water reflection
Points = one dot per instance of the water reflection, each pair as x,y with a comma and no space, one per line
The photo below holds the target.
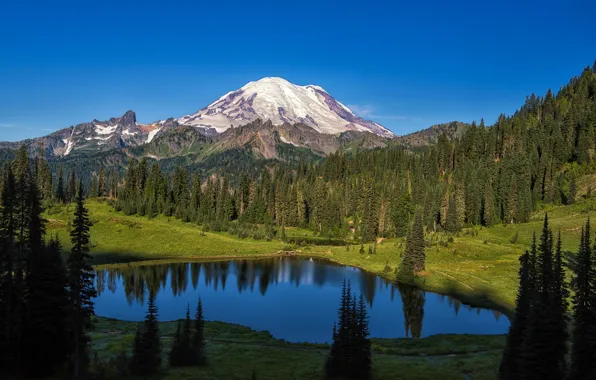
294,299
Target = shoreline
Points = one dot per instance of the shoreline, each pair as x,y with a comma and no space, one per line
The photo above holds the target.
466,298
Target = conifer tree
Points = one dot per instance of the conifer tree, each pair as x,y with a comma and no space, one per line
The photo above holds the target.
146,359
199,335
583,351
60,192
452,223
80,283
350,356
560,305
71,190
510,363
539,359
414,259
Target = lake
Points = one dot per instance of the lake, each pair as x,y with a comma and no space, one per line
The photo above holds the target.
294,299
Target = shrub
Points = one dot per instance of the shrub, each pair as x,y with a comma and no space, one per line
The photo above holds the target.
514,238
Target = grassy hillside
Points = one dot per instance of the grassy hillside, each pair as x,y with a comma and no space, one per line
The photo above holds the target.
233,350
479,266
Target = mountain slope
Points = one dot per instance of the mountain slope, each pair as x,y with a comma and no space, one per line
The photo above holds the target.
280,101
95,136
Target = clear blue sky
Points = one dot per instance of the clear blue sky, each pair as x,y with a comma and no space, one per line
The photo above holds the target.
406,65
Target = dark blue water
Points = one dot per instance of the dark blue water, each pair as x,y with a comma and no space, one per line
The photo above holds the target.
294,299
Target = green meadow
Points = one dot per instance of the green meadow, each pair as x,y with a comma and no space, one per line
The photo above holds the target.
478,265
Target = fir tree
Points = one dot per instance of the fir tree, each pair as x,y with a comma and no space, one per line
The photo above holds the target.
60,192
510,367
146,359
414,259
199,336
71,189
583,352
81,290
539,359
560,305
350,355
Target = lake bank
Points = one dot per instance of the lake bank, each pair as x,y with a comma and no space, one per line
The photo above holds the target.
478,266
234,350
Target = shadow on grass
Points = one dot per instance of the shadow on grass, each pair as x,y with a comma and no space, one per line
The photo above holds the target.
482,297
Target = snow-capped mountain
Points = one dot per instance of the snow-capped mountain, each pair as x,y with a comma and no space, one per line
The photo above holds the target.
96,136
280,101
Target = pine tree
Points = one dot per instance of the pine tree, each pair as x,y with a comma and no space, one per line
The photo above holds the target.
510,367
414,259
47,344
146,359
452,223
539,358
80,283
350,354
583,352
560,305
60,193
363,358
199,336
71,190
183,352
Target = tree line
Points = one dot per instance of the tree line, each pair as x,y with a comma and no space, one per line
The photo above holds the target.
543,341
490,174
45,303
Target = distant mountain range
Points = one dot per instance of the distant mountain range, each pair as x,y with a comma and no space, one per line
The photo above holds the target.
268,118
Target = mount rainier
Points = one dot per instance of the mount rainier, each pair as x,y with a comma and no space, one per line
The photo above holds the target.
280,101
274,101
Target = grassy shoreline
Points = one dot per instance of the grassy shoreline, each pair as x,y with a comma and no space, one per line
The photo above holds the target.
478,266
233,351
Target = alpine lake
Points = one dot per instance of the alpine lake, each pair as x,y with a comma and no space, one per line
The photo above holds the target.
295,299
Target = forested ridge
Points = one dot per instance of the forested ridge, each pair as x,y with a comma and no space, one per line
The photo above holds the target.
492,174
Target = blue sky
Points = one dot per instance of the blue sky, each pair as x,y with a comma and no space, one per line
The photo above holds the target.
406,65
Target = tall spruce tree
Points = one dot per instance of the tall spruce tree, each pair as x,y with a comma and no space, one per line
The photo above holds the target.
146,358
81,289
71,188
583,351
199,335
509,368
60,191
414,259
539,359
350,356
559,307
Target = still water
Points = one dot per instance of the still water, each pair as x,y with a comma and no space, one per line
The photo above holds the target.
294,299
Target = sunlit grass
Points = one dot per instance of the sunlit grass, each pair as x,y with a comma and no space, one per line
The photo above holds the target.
479,265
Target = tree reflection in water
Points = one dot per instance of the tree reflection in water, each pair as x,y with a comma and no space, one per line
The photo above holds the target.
139,280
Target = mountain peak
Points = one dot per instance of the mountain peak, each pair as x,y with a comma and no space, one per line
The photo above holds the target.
280,101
